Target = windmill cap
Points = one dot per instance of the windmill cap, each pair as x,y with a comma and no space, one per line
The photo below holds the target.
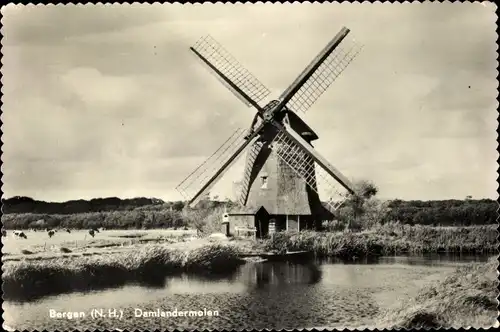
297,122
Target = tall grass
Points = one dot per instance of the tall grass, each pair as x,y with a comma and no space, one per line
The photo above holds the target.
389,239
466,298
31,279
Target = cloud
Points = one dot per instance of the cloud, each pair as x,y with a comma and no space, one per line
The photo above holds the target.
94,88
119,106
48,24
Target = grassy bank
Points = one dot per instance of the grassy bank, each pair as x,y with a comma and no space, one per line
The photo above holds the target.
466,298
149,265
390,240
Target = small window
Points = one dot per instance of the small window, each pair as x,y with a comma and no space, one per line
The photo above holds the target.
264,182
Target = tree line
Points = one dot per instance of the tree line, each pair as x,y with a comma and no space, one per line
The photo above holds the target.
22,204
444,212
24,212
364,210
125,219
111,213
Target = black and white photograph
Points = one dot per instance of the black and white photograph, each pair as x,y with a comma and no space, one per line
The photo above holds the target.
249,166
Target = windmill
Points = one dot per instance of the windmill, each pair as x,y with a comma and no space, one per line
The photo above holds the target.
283,169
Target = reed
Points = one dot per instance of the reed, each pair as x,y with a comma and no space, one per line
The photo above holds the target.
465,298
25,280
389,240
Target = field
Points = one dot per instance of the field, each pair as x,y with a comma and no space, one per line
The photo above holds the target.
38,244
76,261
389,239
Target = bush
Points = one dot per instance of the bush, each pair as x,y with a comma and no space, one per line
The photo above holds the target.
334,225
205,221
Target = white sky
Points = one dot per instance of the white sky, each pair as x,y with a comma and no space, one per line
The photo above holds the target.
107,100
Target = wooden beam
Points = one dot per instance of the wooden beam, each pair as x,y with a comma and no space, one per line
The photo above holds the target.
230,83
317,157
253,137
311,68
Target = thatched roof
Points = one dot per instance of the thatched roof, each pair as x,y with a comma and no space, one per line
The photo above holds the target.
286,193
245,210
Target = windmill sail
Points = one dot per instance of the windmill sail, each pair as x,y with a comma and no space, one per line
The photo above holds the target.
274,133
211,170
249,172
312,167
321,73
223,62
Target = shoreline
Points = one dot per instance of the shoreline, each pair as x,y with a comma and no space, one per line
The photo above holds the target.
465,298
150,263
389,241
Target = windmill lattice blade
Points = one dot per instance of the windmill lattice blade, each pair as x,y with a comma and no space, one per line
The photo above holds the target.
249,166
314,175
324,76
221,59
190,186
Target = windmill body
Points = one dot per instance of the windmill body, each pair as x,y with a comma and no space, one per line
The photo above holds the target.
279,189
270,182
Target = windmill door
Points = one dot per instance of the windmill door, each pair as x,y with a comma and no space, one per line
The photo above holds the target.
262,225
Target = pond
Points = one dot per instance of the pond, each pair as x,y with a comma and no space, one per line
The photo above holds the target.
259,295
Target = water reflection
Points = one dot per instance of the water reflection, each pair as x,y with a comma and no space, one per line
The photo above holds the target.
352,261
251,276
196,285
433,259
260,295
115,280
281,274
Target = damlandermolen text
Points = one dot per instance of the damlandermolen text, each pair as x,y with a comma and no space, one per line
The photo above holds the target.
175,313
